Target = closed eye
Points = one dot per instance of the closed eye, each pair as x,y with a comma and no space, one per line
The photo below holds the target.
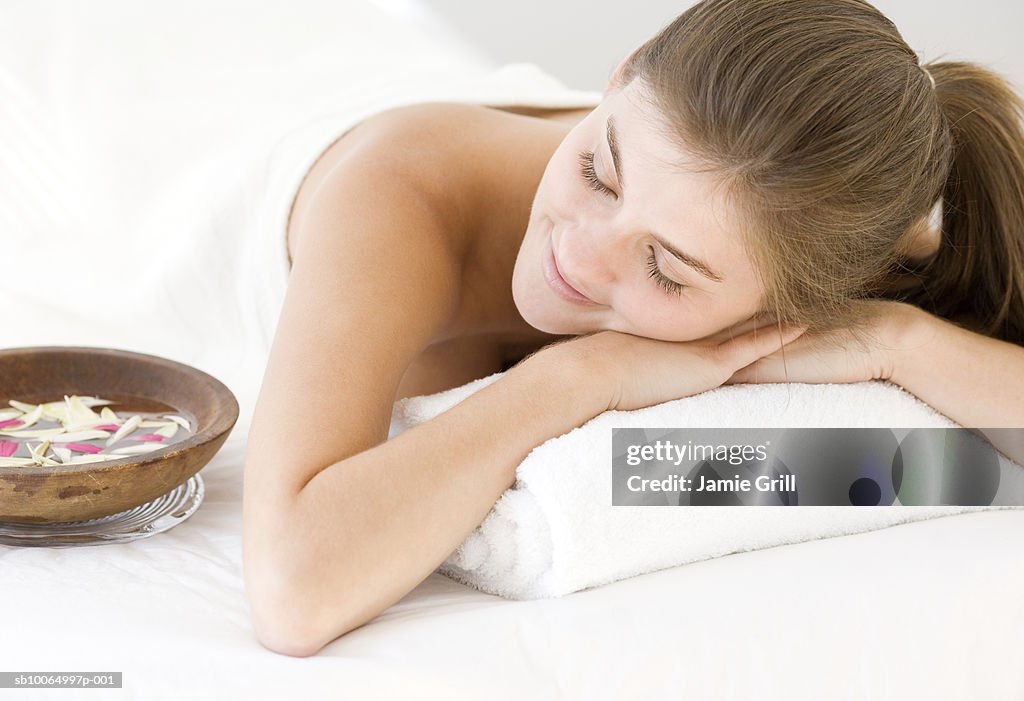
589,174
670,286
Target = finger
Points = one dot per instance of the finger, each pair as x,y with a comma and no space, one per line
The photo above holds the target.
742,376
758,343
757,321
770,368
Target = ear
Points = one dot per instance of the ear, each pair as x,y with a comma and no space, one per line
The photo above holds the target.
920,241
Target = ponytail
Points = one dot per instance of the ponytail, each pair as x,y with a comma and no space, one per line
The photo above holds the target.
977,276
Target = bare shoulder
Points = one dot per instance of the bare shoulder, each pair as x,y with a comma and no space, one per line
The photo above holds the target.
427,144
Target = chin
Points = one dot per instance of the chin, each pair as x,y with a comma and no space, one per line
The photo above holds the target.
535,301
536,310
533,313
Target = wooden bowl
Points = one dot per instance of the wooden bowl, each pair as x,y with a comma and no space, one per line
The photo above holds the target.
138,382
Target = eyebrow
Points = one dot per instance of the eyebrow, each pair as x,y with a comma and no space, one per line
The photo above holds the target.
695,263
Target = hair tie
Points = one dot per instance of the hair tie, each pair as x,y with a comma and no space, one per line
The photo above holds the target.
929,76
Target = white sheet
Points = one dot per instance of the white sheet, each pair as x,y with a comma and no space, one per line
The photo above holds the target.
925,610
108,114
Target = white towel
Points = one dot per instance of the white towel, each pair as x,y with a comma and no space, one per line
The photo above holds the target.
556,531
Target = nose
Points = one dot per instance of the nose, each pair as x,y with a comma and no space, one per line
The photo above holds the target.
587,251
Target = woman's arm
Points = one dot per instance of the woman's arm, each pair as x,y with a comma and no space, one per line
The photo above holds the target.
375,279
973,379
367,529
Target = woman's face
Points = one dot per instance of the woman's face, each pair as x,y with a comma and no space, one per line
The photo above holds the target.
615,199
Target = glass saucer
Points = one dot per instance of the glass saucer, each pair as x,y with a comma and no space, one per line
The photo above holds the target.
161,514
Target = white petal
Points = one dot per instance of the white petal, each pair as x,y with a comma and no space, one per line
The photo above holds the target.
22,405
95,401
37,451
79,436
63,453
31,417
55,411
6,414
107,413
126,428
78,412
86,426
38,433
167,430
86,458
102,456
178,420
146,447
16,462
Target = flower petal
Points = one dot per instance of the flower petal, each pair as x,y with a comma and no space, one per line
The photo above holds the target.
83,448
140,448
178,420
167,430
91,401
126,428
79,436
38,433
16,462
77,413
23,406
84,426
55,411
31,416
152,437
38,451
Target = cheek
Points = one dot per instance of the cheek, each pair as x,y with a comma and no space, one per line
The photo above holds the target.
647,311
560,187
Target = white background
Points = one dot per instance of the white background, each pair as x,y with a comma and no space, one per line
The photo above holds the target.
581,42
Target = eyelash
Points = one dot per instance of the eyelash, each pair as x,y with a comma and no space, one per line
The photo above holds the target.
670,286
589,174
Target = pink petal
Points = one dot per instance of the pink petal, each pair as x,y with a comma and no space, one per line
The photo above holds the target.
107,427
7,448
148,437
11,422
83,447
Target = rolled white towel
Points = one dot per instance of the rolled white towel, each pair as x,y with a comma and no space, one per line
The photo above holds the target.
556,530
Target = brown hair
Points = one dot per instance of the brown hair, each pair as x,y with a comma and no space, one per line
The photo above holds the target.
834,146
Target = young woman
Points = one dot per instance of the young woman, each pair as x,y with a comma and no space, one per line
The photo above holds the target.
757,169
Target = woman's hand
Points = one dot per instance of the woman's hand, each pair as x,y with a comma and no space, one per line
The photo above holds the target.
642,372
836,356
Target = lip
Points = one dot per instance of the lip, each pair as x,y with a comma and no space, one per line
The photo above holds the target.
557,283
